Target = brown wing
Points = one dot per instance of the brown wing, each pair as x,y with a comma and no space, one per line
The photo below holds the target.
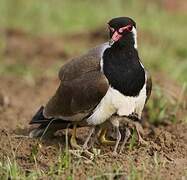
81,89
83,64
148,86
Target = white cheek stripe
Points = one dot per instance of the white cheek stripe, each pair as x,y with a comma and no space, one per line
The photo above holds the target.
101,61
134,32
115,102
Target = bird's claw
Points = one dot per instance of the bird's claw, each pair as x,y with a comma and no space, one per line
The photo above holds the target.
103,140
85,146
141,141
74,144
140,131
114,153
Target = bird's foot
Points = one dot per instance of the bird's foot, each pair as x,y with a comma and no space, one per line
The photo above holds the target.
81,150
140,131
85,146
114,153
141,141
73,143
103,140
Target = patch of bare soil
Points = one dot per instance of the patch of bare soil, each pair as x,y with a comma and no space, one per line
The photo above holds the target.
25,45
22,44
165,157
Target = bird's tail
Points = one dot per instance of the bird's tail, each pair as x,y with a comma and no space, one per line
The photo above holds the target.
39,118
47,126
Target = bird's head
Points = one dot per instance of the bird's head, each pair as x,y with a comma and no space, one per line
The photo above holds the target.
122,31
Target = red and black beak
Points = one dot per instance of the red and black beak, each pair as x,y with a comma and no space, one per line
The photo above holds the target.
115,37
118,34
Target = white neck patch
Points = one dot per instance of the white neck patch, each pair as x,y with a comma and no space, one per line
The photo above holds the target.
105,46
134,32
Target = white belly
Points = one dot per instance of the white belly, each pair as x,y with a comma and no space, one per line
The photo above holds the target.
116,102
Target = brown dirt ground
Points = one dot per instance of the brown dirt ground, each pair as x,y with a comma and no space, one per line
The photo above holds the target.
164,158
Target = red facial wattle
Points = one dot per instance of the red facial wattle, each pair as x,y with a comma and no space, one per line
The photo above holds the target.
115,37
118,34
127,28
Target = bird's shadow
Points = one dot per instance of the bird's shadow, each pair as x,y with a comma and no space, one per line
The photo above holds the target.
59,137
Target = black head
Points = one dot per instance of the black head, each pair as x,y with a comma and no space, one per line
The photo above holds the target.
121,29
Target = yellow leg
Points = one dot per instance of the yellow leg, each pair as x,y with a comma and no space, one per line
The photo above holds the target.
73,140
103,140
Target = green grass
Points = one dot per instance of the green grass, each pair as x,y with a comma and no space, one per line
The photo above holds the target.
163,107
10,169
134,174
132,142
64,166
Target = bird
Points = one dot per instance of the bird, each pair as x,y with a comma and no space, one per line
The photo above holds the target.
109,80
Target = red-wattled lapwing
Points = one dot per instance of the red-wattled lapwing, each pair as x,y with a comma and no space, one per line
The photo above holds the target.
108,80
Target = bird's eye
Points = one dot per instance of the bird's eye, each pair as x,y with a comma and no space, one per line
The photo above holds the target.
120,30
129,28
